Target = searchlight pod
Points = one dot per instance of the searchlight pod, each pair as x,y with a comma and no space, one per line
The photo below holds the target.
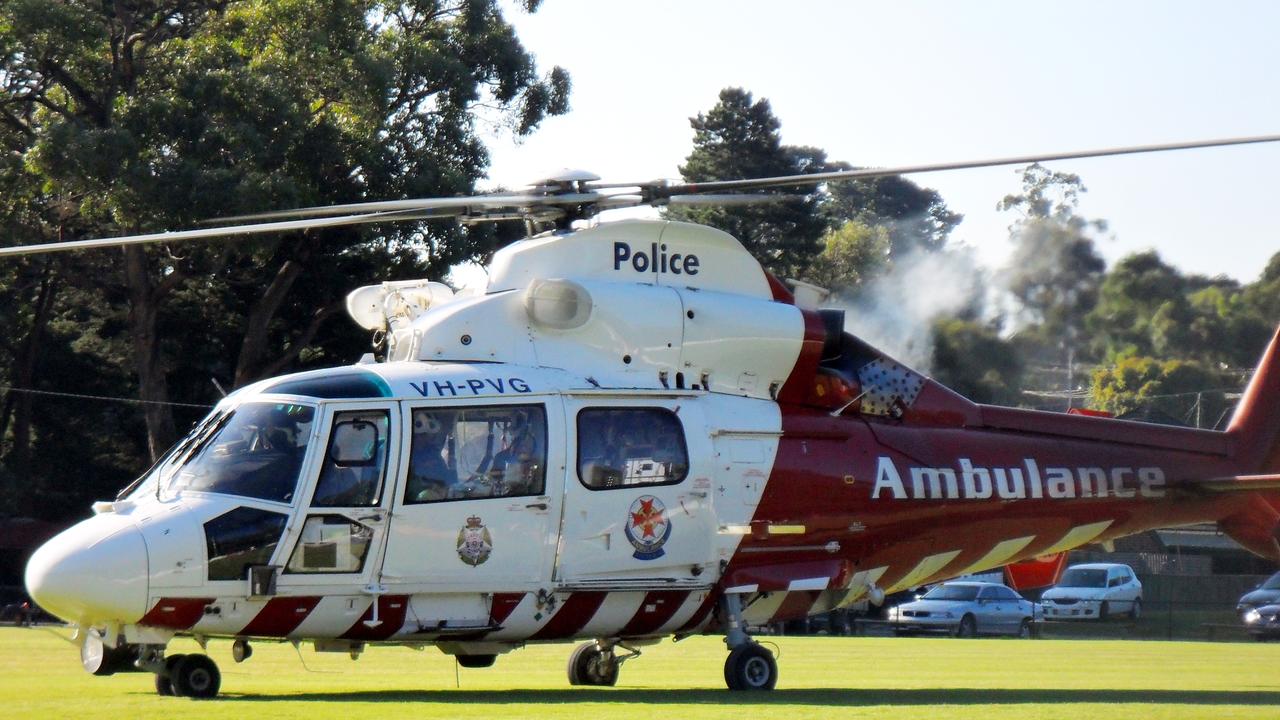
636,304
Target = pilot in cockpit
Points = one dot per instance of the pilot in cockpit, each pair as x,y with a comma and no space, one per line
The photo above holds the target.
430,477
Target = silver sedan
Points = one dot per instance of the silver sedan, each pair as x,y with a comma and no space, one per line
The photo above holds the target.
966,609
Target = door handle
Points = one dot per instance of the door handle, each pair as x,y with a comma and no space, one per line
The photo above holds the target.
537,506
376,517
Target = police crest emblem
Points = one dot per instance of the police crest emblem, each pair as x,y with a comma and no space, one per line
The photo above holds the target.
647,527
474,542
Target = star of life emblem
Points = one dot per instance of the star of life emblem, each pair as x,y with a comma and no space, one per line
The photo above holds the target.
647,527
474,542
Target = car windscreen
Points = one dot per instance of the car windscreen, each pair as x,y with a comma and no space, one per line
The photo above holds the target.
952,592
255,451
1080,578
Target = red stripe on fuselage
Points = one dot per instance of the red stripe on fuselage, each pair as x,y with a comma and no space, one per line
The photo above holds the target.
391,612
795,606
655,610
800,382
574,614
700,615
502,606
280,616
176,613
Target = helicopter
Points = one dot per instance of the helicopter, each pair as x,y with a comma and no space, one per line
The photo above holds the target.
633,433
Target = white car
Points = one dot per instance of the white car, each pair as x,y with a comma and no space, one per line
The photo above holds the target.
1095,591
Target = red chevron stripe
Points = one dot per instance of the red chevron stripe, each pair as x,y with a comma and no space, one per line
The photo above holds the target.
391,612
280,616
574,614
700,614
655,610
502,606
176,613
796,605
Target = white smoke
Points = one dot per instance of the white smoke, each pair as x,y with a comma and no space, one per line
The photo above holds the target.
895,311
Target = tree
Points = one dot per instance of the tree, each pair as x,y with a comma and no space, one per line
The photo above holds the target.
1169,391
972,359
916,219
740,138
144,116
1055,269
852,254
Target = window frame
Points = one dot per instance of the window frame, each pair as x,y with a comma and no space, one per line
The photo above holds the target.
403,494
298,547
577,450
337,420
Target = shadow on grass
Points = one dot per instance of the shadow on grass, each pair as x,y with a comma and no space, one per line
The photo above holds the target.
818,696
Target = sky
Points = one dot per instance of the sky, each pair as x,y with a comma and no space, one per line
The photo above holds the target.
910,82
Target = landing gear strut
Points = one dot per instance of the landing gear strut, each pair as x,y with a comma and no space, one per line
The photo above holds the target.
750,666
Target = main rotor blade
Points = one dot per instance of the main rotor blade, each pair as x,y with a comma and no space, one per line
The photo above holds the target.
255,229
756,183
462,204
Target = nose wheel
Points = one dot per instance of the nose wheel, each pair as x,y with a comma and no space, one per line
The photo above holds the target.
592,664
193,676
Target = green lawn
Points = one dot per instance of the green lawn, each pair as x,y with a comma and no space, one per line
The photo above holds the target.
40,677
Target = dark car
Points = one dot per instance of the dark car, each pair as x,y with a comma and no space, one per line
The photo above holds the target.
1262,622
1267,593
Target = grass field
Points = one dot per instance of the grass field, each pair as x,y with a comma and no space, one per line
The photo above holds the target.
898,678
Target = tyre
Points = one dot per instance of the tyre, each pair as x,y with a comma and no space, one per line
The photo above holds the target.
164,686
1104,612
588,665
476,661
1135,612
99,659
967,628
750,667
196,676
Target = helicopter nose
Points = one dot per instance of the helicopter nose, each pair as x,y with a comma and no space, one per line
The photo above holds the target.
93,572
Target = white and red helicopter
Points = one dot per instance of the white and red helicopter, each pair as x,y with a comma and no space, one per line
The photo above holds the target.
634,432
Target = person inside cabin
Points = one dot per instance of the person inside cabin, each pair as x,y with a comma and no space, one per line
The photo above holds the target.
515,469
430,477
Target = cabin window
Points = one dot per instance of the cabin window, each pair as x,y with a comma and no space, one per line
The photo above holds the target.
477,452
627,447
330,544
356,460
254,452
240,538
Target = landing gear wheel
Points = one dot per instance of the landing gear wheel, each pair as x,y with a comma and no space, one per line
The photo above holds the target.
1135,612
195,676
589,665
750,667
164,678
99,659
1104,612
967,628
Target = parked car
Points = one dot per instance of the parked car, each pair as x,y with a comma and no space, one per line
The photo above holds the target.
1262,622
966,609
1268,593
1095,591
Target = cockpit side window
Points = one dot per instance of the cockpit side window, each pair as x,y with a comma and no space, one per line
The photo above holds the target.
356,461
256,452
626,447
330,544
477,452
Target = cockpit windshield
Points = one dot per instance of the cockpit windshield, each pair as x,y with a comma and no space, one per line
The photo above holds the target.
254,451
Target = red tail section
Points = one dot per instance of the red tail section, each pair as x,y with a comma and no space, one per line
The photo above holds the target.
1255,435
1255,427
